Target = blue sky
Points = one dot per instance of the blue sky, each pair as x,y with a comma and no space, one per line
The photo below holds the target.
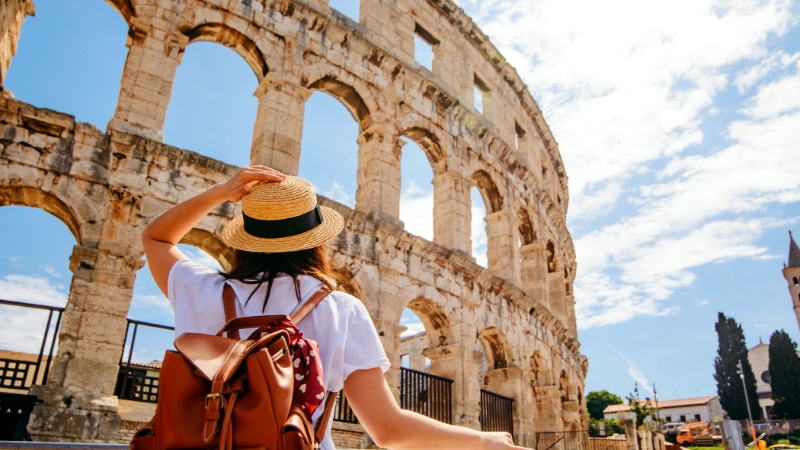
678,123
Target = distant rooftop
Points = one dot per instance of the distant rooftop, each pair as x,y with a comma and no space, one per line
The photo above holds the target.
663,404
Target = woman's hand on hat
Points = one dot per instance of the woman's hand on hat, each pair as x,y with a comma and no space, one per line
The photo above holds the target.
241,183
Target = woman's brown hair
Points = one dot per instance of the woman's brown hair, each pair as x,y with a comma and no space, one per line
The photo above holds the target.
260,268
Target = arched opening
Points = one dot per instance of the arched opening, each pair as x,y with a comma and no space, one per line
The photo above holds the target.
212,109
124,7
478,228
552,262
70,59
795,281
236,41
416,191
329,156
35,250
494,348
527,234
413,342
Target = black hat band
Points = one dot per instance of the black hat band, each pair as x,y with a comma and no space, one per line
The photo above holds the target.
274,229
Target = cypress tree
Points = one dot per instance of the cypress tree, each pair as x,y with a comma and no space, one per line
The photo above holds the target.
731,350
784,371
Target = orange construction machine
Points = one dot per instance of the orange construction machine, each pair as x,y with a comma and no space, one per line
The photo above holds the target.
699,433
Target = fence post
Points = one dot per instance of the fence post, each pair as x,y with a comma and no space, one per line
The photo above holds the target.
631,437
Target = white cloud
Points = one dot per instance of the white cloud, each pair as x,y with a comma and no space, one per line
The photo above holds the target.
639,79
51,271
416,210
777,60
338,193
23,328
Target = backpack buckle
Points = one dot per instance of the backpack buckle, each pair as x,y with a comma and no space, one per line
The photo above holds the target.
216,395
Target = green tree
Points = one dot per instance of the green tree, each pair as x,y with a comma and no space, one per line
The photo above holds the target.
732,349
642,410
597,401
784,371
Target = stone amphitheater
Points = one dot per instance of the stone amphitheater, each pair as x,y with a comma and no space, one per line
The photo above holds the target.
509,328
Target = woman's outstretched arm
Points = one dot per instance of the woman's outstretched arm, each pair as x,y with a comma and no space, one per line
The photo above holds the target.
161,236
398,429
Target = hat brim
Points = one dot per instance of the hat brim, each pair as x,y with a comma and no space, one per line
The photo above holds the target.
235,236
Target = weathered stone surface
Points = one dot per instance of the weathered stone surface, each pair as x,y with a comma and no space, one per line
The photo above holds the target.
509,328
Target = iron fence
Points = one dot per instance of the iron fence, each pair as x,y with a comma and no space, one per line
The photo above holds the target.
133,383
772,426
427,394
562,440
342,411
21,374
497,412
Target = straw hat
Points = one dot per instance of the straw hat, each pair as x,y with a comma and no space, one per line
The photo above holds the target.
282,217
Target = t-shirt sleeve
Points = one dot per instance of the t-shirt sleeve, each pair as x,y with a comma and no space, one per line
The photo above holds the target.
195,293
362,346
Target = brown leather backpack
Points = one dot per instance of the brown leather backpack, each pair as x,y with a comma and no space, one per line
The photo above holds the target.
228,393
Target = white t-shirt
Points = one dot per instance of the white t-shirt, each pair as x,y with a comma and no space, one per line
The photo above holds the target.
340,324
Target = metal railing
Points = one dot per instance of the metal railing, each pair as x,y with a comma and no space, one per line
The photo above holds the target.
497,412
21,374
342,411
427,394
562,440
132,382
779,424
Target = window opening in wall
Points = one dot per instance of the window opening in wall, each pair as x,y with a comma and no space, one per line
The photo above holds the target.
669,418
478,229
519,134
219,123
328,150
683,418
416,191
423,47
404,361
795,281
349,8
87,54
697,417
480,93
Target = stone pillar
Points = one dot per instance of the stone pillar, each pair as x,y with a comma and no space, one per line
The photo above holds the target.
378,177
448,362
534,270
279,124
155,50
548,408
631,436
511,382
389,333
502,249
555,296
12,16
452,212
79,402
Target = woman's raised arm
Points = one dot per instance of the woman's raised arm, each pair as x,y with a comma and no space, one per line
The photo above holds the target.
161,236
398,429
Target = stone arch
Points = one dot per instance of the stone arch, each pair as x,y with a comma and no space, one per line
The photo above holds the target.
349,97
37,198
211,244
431,145
496,346
526,232
436,322
233,39
124,7
489,192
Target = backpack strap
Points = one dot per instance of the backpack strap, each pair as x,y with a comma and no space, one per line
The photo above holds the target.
312,303
322,423
330,401
229,303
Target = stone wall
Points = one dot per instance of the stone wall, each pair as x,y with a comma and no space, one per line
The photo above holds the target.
106,187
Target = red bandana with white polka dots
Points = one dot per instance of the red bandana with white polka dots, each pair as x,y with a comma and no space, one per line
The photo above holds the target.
309,383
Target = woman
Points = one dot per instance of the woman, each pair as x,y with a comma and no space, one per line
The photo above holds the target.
279,262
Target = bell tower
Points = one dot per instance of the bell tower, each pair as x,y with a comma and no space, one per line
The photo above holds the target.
791,271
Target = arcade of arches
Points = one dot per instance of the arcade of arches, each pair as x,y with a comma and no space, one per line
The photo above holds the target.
517,315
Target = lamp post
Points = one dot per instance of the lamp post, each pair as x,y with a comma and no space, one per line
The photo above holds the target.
746,399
